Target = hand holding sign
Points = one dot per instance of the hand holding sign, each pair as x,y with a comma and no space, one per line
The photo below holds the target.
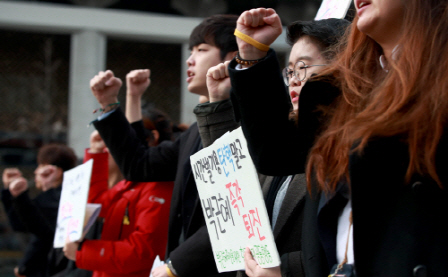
70,249
254,270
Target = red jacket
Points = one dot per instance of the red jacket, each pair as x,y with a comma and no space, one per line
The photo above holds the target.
135,227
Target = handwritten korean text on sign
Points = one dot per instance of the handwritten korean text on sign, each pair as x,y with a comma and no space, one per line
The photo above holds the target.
232,202
72,205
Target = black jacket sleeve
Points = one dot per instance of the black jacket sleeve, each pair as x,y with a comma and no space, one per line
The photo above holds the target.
200,261
136,160
34,260
139,130
38,217
15,222
33,217
261,103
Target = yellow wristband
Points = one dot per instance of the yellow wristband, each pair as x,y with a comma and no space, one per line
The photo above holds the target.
168,271
251,41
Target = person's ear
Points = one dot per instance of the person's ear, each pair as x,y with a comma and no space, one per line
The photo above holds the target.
229,56
59,176
156,135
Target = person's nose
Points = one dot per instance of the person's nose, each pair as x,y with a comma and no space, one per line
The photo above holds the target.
190,60
294,82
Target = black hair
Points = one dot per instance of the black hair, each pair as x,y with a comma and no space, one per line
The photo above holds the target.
216,30
325,33
57,154
154,119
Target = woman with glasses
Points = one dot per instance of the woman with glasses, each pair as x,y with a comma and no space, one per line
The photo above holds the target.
295,75
284,195
373,127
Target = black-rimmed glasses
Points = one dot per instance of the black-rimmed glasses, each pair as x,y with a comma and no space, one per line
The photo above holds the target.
299,71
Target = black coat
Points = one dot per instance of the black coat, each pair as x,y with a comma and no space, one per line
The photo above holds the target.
38,216
399,228
189,245
21,211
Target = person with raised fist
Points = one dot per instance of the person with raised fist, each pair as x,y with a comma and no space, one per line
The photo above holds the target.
38,216
371,137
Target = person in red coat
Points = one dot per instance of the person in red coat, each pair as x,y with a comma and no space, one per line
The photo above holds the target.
135,213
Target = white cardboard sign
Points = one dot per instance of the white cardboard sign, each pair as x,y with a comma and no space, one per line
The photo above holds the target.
333,9
232,203
157,262
72,205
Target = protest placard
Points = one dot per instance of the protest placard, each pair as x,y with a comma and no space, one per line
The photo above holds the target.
333,9
72,205
232,203
157,262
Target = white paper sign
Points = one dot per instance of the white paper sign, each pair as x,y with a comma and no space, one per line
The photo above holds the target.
233,205
157,262
333,9
72,205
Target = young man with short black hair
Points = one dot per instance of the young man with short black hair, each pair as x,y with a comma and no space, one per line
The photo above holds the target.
189,250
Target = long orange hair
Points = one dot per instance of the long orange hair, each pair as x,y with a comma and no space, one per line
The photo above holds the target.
411,100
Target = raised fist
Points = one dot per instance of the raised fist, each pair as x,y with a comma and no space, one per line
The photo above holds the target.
263,25
18,186
137,81
9,174
47,177
105,87
218,82
97,144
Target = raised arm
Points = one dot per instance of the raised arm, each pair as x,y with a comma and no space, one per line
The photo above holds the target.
262,25
260,99
136,161
29,213
100,172
105,87
137,81
216,117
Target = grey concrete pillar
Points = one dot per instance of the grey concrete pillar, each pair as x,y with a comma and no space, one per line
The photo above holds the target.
87,57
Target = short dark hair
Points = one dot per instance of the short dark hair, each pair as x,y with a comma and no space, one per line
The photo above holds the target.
216,30
57,154
154,119
325,33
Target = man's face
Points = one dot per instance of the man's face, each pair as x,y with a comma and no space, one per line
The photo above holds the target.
307,51
203,56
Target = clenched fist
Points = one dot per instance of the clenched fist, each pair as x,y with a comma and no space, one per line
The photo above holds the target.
263,25
105,87
137,81
47,177
9,174
18,186
218,82
97,144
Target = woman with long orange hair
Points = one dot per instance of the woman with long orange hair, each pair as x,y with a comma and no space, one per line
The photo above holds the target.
371,135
